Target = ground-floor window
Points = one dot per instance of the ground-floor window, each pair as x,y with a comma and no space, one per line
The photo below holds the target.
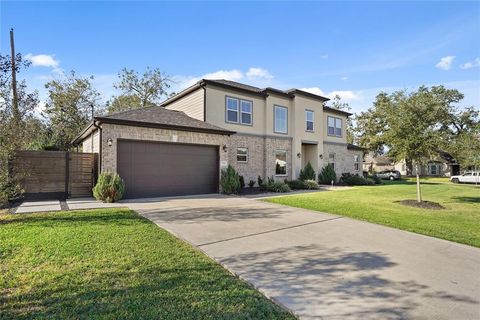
281,163
433,169
242,154
356,162
331,160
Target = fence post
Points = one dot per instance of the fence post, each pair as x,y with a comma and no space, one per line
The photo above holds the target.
67,173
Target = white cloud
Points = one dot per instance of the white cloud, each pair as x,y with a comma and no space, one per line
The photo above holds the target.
314,90
445,63
471,64
255,75
259,74
346,95
324,56
344,78
42,60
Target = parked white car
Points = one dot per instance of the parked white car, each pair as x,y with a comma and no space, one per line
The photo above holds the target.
467,177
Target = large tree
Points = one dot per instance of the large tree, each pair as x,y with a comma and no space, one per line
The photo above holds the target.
412,125
19,128
139,90
69,107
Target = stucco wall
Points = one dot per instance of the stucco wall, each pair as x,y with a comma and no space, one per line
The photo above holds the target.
326,137
115,132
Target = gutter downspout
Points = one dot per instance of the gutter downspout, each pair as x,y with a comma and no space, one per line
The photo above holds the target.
99,146
203,86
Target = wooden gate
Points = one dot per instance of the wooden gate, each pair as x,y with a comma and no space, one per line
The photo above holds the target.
56,174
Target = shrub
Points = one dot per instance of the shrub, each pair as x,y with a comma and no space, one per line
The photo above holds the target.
277,186
307,173
375,179
311,185
327,175
296,184
354,180
260,181
251,183
230,181
109,188
242,182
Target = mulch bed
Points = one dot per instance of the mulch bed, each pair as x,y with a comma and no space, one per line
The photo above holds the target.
423,205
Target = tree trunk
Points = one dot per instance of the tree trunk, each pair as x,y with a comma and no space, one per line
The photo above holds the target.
417,173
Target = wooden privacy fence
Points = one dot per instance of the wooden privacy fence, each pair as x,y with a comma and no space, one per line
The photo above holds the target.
55,174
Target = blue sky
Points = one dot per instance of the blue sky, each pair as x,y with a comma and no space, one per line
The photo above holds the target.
356,49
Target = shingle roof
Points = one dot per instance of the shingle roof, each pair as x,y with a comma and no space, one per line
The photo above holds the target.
162,117
246,88
354,147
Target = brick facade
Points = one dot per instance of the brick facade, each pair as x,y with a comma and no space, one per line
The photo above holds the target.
115,132
344,158
261,155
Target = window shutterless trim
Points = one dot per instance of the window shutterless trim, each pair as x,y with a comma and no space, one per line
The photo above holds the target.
239,111
274,119
307,121
286,163
335,127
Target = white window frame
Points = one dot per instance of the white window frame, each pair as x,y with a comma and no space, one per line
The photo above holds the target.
307,121
239,111
335,127
330,158
242,155
356,162
286,163
275,108
240,119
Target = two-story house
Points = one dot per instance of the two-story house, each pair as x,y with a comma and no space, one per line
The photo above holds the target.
181,146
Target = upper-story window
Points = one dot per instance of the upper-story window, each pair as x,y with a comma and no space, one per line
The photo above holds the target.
280,119
334,126
239,111
309,122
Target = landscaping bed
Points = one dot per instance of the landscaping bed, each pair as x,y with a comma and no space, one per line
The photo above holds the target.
114,264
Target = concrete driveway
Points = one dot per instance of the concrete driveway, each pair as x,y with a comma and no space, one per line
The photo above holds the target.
322,266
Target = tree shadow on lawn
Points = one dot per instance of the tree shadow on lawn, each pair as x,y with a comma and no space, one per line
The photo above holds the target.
124,217
336,283
153,293
467,199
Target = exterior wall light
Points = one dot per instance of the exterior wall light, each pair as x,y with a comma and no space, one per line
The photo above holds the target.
299,155
321,156
224,148
109,142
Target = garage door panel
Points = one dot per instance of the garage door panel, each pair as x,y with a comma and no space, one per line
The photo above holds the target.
166,169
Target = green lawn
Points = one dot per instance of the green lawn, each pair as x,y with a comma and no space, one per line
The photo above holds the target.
113,264
459,222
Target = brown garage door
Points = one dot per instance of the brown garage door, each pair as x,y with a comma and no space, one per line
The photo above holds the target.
152,169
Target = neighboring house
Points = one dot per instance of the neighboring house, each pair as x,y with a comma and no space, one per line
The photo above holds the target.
444,165
178,148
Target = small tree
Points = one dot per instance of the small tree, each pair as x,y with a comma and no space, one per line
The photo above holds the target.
307,173
327,175
230,181
109,188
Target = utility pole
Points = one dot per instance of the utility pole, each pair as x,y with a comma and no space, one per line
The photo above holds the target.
15,111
